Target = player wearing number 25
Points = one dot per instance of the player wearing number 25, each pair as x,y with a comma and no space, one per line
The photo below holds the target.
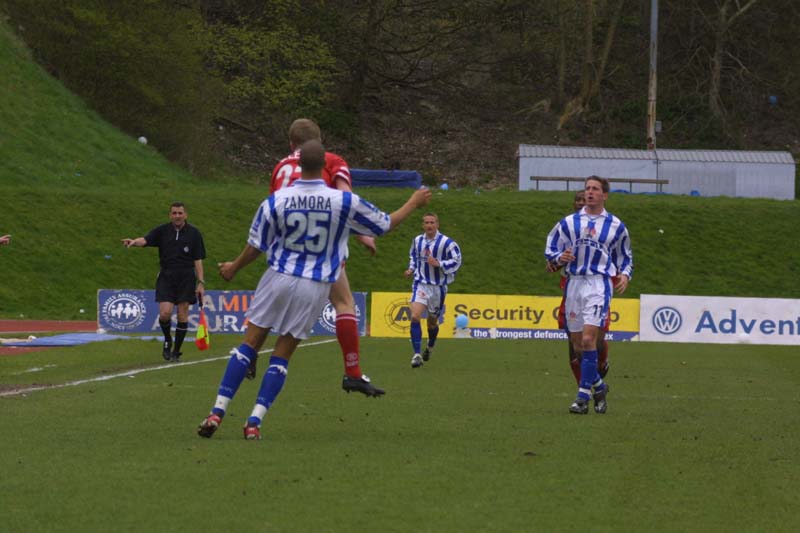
593,246
303,231
336,175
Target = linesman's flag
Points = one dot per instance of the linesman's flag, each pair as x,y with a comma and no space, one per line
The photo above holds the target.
202,340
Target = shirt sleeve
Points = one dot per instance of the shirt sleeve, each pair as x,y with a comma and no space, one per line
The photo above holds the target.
555,244
366,219
338,169
154,237
624,254
452,261
199,247
262,229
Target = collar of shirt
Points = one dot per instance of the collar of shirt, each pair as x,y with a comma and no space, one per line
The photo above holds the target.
430,241
593,217
304,182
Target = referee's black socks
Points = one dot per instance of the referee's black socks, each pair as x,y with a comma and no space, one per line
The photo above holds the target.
180,334
166,327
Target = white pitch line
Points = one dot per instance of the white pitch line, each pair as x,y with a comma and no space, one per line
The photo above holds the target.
132,373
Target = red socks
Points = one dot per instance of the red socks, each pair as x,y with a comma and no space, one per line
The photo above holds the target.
347,334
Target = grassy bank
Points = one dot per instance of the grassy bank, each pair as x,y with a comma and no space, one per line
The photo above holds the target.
67,243
72,187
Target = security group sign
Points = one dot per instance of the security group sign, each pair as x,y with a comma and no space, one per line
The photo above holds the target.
492,316
719,320
136,311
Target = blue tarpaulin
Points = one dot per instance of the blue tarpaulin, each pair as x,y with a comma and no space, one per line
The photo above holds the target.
74,339
385,178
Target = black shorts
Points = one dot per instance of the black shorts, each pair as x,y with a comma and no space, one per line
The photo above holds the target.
176,286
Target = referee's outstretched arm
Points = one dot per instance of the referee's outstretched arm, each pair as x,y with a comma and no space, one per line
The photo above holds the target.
138,241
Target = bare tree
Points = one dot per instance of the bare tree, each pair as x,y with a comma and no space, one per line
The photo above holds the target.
591,75
729,11
360,69
562,53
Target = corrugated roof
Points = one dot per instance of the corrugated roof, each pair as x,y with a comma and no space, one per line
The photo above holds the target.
703,156
540,150
726,156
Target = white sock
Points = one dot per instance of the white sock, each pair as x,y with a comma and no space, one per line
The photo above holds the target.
222,403
259,411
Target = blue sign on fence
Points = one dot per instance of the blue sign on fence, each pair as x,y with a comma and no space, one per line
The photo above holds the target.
126,310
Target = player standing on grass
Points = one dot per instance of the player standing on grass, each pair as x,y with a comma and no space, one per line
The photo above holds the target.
336,175
180,281
593,246
602,346
433,260
303,230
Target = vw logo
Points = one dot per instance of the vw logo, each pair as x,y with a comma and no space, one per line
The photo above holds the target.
667,320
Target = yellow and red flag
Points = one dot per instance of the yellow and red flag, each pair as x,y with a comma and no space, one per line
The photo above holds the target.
202,339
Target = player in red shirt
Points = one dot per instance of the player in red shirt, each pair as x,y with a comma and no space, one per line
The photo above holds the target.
602,345
336,174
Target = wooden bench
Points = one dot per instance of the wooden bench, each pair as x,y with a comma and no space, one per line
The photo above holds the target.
630,181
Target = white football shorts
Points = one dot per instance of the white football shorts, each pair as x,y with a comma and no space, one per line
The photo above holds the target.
587,301
288,305
431,296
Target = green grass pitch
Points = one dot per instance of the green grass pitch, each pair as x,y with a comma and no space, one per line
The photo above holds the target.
697,437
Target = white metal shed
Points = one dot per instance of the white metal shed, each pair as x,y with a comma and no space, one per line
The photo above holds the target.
705,172
728,173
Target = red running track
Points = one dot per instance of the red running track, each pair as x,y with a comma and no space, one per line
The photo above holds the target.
41,326
46,326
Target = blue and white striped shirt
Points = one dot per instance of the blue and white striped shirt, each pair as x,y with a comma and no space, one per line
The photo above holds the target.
600,244
303,228
443,249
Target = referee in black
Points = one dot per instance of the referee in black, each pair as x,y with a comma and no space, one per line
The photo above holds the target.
180,282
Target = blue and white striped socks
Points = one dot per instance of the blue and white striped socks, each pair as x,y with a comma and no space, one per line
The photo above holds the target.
233,377
589,375
416,336
271,386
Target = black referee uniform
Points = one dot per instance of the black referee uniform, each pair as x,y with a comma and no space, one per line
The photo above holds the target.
178,249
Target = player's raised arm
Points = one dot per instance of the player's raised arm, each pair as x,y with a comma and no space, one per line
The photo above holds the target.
418,198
